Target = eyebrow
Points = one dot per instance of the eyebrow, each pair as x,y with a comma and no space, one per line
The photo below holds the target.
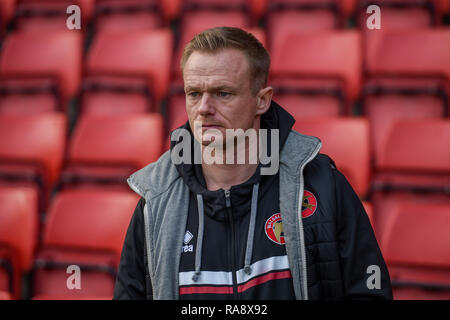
213,89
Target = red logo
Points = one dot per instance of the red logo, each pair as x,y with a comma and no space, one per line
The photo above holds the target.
309,204
274,229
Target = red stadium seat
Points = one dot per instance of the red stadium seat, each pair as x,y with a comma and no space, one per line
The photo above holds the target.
403,14
6,13
415,244
346,141
176,114
414,166
18,234
409,76
318,66
40,64
107,149
85,228
194,22
5,295
405,53
49,15
32,149
117,73
417,146
127,16
296,16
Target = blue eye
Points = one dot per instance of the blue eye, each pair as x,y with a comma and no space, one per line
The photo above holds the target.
223,94
193,94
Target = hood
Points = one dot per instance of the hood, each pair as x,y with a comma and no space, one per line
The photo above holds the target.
214,201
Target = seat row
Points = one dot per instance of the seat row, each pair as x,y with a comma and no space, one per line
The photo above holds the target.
79,253
132,15
390,74
106,149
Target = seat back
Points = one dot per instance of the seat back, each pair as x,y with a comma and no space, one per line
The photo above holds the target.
49,15
85,230
346,141
18,235
334,55
150,59
415,246
36,140
53,55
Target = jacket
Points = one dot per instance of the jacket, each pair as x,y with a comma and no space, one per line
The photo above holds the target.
325,254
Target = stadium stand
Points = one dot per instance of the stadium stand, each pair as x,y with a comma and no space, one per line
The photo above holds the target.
39,72
378,100
106,149
18,235
84,228
346,141
120,80
31,150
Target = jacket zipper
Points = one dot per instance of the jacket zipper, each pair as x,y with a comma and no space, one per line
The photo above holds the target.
233,242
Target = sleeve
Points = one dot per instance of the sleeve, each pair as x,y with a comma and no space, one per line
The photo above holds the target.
364,270
133,281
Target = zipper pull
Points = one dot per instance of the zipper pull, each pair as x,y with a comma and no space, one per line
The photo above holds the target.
227,198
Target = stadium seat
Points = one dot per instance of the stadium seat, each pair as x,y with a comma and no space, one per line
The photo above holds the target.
107,149
32,150
414,166
84,228
176,114
39,72
315,69
120,80
296,16
417,146
415,244
49,15
127,16
18,235
403,14
5,295
346,141
408,77
6,13
194,22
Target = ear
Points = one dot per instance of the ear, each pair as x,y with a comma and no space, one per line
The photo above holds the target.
264,97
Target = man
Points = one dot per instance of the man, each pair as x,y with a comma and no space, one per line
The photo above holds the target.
227,229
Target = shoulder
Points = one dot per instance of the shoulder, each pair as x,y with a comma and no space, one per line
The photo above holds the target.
155,177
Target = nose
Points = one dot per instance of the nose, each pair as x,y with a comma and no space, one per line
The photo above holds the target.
206,106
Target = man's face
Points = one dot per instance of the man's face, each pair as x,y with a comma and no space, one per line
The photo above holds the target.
218,92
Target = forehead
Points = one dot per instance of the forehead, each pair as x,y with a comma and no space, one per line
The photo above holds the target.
228,65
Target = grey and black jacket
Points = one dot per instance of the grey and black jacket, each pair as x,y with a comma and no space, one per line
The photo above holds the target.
299,234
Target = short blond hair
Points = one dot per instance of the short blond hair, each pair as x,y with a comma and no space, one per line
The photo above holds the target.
216,39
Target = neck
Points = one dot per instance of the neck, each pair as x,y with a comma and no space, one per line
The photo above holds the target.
230,173
224,176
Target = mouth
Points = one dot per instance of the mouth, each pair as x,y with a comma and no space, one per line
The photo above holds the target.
211,126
